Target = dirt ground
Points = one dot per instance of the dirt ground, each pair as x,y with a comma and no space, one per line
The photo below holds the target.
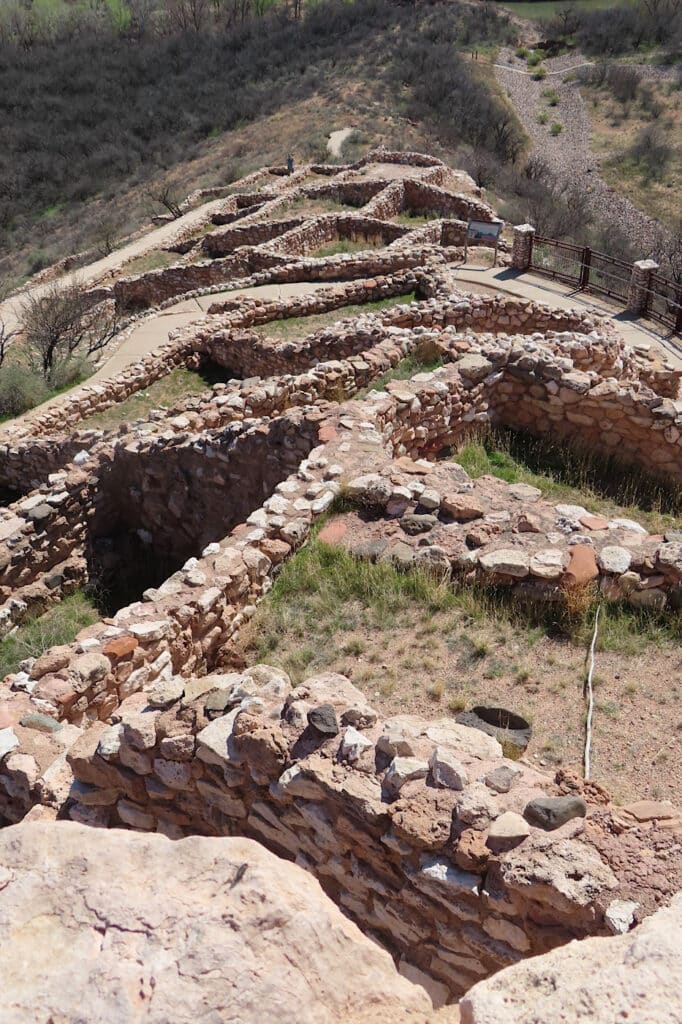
412,659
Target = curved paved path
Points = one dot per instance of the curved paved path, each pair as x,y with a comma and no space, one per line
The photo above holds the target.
153,332
155,239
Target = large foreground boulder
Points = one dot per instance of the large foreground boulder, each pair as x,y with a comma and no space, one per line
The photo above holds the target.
634,977
112,927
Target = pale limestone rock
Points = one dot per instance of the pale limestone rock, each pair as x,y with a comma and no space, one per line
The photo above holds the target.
506,561
404,769
8,742
353,744
614,559
548,564
446,770
620,915
635,977
130,948
214,744
507,829
462,740
165,692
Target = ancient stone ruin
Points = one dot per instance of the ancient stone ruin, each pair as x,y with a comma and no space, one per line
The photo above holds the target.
454,861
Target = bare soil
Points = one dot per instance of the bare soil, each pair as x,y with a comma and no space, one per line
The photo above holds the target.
415,660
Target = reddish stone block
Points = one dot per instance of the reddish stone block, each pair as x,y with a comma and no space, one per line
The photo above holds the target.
594,522
327,432
582,568
120,646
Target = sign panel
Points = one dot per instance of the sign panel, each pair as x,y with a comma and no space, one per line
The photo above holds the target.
484,230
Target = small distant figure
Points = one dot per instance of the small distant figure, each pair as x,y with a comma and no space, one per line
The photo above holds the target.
290,164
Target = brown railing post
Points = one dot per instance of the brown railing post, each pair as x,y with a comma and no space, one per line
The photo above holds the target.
678,318
585,269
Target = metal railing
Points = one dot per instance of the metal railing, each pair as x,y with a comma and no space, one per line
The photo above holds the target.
561,261
602,274
664,302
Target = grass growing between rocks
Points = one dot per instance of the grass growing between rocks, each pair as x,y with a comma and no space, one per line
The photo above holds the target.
164,393
301,326
59,625
404,370
346,245
416,645
573,476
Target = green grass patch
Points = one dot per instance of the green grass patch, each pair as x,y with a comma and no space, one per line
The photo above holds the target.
300,326
347,245
164,393
59,625
323,593
574,476
415,220
404,370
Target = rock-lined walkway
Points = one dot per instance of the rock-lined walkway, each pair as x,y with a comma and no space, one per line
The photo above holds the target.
569,154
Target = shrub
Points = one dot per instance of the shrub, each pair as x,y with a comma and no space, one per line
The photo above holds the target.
552,97
651,151
556,128
20,389
540,73
543,117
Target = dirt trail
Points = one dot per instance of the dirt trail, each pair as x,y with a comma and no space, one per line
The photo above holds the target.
569,154
153,240
336,141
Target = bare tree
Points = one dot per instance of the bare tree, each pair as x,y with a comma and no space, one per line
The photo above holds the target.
164,197
63,321
6,333
568,19
189,15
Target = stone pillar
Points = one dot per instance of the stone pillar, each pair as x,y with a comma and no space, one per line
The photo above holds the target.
522,248
640,278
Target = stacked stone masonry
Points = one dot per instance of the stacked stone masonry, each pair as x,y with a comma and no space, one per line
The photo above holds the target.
421,831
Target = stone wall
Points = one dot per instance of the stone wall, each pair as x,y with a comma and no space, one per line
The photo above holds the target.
420,830
333,227
220,243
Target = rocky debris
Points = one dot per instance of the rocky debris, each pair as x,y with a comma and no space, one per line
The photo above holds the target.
115,954
637,976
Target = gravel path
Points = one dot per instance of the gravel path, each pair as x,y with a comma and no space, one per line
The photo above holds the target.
569,154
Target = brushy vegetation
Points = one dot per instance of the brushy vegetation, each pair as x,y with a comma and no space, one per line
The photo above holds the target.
573,475
89,108
59,625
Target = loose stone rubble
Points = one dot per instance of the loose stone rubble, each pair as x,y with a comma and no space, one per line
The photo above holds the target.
457,860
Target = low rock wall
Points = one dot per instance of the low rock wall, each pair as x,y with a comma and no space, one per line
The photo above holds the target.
335,227
220,243
400,830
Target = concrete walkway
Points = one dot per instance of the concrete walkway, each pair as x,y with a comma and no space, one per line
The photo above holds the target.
153,332
555,293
